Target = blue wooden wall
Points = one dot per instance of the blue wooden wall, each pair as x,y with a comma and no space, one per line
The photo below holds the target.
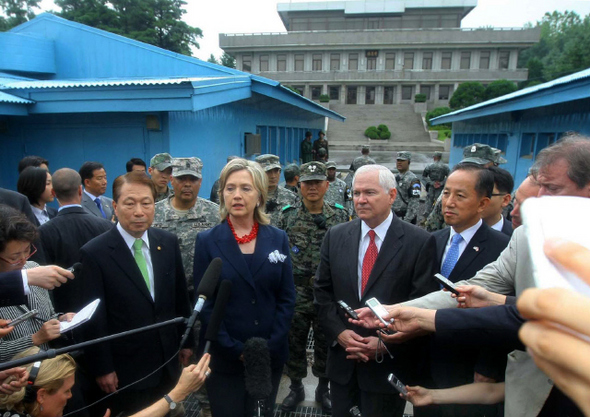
521,135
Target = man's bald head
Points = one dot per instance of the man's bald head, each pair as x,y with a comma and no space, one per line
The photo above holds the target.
66,186
529,188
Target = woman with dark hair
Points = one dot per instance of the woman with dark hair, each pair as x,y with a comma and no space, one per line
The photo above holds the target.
35,183
17,234
256,260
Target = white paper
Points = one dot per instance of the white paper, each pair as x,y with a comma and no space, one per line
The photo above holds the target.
81,317
548,218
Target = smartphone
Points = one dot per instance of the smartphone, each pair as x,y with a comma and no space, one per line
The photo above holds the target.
348,310
378,310
21,319
397,384
541,225
448,285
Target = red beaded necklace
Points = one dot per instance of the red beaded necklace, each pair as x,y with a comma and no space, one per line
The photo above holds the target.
246,238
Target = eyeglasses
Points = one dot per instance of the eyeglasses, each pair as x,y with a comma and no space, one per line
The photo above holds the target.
22,259
498,194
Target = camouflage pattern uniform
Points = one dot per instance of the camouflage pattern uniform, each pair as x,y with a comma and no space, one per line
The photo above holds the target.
162,161
165,195
435,172
306,232
202,216
360,161
336,193
280,198
407,202
435,220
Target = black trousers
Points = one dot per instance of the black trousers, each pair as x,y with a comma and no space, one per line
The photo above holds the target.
371,404
228,396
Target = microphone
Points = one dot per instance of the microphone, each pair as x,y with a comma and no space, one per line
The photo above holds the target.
212,332
75,269
257,373
355,412
205,290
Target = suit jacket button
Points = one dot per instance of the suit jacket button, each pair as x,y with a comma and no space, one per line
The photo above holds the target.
256,322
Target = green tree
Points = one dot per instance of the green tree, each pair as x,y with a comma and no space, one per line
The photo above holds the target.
564,47
467,94
212,59
499,88
228,61
439,111
157,22
17,12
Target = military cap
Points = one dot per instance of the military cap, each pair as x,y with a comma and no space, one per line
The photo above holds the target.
404,155
161,161
268,161
479,154
437,154
322,151
187,166
499,160
365,147
330,164
313,171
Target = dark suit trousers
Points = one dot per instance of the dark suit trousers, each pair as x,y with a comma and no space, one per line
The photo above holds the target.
371,404
131,400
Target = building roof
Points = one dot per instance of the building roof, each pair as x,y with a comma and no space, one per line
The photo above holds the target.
572,87
9,98
371,7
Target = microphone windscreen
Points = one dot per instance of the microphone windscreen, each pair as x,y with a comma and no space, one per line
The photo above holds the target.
218,310
210,278
257,373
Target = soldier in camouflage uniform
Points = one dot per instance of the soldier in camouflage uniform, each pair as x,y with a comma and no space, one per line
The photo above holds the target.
337,191
278,197
320,142
433,178
291,175
185,214
364,159
477,153
409,188
306,224
160,170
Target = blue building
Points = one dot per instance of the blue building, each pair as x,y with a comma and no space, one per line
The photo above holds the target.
72,93
522,123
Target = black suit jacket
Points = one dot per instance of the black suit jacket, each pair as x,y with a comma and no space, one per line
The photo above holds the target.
62,237
12,291
484,247
507,227
111,274
403,270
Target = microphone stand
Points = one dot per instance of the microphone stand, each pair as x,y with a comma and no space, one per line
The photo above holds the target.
52,353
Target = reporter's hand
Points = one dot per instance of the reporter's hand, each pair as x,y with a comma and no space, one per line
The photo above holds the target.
474,296
47,332
4,330
366,319
108,383
418,396
411,320
192,379
349,339
107,413
552,347
48,277
13,379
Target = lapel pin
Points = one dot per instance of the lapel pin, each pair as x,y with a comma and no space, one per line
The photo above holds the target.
159,248
476,248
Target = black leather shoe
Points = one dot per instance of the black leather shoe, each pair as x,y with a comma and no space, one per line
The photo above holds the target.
291,401
322,396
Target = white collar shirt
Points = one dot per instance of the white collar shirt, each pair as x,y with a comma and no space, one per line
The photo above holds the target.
129,241
380,232
466,234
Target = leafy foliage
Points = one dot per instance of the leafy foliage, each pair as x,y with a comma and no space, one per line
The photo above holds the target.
227,60
212,59
467,94
17,12
379,132
499,88
157,22
439,111
420,98
564,47
324,98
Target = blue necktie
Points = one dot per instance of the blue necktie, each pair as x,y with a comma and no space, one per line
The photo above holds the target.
97,201
452,256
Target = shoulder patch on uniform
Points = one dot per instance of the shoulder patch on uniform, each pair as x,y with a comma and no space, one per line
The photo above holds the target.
338,206
286,207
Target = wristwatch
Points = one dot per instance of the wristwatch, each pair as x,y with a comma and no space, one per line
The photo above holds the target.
171,403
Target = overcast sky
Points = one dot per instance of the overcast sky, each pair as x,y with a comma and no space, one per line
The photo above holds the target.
239,16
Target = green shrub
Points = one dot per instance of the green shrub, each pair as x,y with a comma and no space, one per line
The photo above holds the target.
373,134
384,135
383,128
444,134
420,98
324,98
439,111
370,129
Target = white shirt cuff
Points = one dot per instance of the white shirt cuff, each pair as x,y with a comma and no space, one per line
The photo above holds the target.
25,281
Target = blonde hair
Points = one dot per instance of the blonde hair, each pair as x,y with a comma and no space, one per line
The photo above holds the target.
51,377
259,180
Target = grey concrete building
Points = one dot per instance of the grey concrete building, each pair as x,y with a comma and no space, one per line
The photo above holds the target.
380,51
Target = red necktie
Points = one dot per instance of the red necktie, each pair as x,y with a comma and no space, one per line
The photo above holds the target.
369,260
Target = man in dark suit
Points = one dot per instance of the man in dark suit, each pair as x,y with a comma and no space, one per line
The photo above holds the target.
377,255
137,273
14,285
63,236
94,179
462,250
501,197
